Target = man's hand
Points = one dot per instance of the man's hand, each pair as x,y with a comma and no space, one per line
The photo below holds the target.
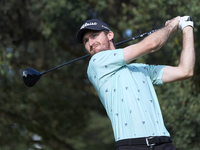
173,23
185,21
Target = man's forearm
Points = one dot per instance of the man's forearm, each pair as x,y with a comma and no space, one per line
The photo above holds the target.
161,36
187,58
152,42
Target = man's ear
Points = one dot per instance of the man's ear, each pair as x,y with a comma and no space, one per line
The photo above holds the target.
110,35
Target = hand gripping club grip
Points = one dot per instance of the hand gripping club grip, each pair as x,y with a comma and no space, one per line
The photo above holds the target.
185,21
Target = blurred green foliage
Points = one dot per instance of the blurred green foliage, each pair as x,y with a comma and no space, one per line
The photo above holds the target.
63,110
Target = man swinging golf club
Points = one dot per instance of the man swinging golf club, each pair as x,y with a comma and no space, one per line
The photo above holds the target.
126,90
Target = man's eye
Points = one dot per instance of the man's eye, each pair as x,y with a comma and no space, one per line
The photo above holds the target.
85,41
95,35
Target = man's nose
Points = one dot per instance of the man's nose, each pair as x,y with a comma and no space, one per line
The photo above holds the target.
91,42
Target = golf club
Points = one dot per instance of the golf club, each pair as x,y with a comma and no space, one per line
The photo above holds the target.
32,76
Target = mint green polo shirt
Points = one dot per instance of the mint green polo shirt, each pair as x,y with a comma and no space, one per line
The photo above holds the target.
127,94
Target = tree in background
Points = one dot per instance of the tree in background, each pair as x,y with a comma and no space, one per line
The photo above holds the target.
63,111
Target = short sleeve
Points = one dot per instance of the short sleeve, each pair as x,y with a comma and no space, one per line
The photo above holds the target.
156,73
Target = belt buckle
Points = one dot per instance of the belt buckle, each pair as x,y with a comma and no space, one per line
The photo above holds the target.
147,141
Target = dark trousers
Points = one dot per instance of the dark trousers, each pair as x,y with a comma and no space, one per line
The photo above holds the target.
164,146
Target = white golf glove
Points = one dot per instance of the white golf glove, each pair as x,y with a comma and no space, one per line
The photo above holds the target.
185,21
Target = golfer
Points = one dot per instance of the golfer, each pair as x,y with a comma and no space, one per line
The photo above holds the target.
126,89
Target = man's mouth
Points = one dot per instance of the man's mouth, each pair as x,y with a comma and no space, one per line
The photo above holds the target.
94,47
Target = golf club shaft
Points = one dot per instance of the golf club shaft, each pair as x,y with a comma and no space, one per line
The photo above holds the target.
65,63
122,42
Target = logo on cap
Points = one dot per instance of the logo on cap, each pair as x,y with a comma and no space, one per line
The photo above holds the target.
88,24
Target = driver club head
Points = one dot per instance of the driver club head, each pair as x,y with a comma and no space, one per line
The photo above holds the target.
31,76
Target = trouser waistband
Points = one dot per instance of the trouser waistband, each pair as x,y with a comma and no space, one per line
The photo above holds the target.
149,141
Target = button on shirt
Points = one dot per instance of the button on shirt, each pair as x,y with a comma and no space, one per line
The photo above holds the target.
127,94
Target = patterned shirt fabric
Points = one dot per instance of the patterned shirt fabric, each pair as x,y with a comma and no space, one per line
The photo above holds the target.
127,94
